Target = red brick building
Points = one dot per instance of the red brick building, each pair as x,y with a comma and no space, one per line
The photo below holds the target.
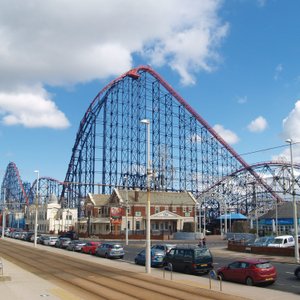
170,212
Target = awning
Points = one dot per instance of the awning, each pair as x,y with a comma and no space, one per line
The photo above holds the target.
232,216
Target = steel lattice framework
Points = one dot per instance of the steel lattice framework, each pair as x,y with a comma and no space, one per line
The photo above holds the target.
48,189
13,190
239,192
187,154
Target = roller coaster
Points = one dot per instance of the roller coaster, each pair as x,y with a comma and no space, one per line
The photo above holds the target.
187,154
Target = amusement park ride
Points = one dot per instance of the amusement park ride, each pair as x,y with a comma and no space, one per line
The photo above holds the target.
187,154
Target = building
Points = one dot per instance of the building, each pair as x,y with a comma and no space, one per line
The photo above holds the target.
170,212
52,218
285,219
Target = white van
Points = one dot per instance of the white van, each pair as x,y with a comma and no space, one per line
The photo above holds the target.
283,241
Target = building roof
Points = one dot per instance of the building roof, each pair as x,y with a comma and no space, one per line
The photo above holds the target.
284,211
98,199
156,197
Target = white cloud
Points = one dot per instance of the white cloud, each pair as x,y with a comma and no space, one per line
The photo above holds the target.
291,125
278,70
229,136
242,100
31,110
258,125
262,3
66,42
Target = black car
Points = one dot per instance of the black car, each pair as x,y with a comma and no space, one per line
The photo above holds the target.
189,259
70,234
297,272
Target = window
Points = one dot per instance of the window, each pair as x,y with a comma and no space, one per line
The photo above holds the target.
174,209
188,253
156,209
166,207
184,208
190,208
138,225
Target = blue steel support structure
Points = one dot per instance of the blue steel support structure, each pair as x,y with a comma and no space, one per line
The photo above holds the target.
187,154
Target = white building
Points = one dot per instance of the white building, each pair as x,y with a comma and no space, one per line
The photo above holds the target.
52,218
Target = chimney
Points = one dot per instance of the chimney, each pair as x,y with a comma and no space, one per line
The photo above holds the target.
136,195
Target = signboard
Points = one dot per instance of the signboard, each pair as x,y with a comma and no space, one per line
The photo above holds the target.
115,215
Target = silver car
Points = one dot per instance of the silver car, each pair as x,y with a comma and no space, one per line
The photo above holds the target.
75,245
50,240
110,250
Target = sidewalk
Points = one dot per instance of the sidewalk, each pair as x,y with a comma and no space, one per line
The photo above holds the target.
18,284
21,284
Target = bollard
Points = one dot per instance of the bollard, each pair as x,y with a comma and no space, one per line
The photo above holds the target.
170,268
1,267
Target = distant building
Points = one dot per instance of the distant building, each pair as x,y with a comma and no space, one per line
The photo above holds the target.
52,218
170,212
285,217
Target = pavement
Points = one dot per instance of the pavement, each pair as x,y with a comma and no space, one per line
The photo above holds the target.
17,283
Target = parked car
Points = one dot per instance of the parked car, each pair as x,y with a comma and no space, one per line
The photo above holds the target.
297,272
50,240
110,250
283,241
157,258
62,242
189,259
70,234
75,245
249,271
41,238
263,241
90,247
163,247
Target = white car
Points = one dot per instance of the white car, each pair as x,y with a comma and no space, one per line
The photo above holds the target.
50,240
283,241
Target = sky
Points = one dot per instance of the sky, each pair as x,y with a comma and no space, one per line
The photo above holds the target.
235,62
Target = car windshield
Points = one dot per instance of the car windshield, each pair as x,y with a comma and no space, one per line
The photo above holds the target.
202,253
116,247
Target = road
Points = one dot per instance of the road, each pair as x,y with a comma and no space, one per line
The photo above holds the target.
92,280
286,280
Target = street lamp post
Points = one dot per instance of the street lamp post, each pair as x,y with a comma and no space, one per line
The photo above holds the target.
3,214
126,212
148,232
290,142
36,207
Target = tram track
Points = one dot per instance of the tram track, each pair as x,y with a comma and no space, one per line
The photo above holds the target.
93,280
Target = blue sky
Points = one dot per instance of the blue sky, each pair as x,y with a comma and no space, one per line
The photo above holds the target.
235,62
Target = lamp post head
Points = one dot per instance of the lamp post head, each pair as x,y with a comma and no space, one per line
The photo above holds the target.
145,121
289,141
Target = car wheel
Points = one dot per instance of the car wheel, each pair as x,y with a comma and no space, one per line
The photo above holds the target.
90,252
106,255
297,273
136,261
249,281
121,257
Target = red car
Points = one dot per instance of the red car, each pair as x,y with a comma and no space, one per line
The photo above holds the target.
90,247
249,271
